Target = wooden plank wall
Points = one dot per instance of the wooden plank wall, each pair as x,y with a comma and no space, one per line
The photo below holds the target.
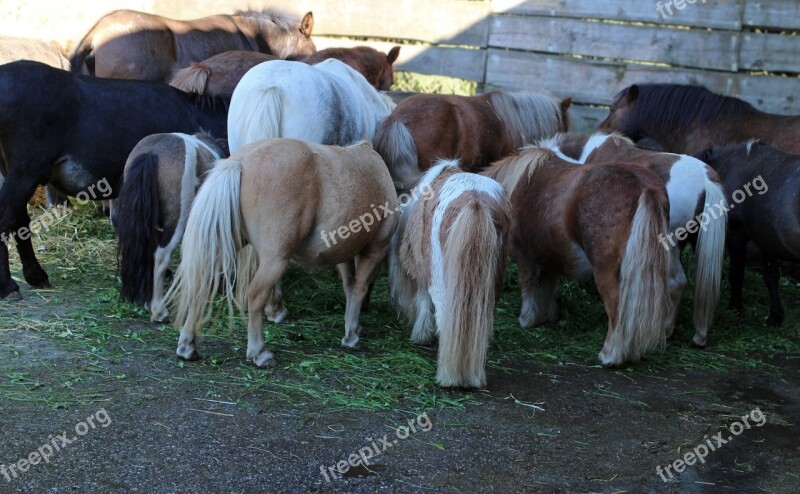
587,49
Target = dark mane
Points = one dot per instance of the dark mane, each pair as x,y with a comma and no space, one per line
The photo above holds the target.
674,106
213,104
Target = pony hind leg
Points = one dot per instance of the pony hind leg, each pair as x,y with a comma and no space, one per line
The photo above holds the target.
259,295
538,296
677,284
366,270
424,326
31,269
8,286
159,313
772,276
276,310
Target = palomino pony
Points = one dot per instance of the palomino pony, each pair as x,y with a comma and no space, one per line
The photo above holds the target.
328,103
771,221
273,201
692,119
127,44
161,176
219,75
695,194
576,220
447,262
75,132
476,130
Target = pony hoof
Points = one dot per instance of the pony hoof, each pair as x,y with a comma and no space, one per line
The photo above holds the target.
282,316
188,353
265,360
698,342
162,318
354,345
13,295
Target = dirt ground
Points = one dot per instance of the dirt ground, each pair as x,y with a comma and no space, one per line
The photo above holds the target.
538,428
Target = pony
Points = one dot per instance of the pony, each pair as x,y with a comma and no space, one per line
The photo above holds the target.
476,130
327,103
447,264
691,119
158,187
76,141
219,75
13,48
605,220
695,194
275,200
127,44
771,221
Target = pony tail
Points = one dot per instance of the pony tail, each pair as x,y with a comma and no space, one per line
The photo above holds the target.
82,60
211,242
192,79
260,120
708,272
474,255
644,300
394,143
136,223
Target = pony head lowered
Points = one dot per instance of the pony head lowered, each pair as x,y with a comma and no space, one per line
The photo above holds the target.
375,66
281,33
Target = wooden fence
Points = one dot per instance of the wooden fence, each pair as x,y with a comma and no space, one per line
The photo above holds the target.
586,49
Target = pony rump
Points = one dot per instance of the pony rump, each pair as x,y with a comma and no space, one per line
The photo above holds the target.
192,79
213,237
644,300
262,120
137,228
528,117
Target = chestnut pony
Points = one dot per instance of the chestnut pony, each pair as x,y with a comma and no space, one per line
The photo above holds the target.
447,262
127,44
158,187
271,202
695,194
219,75
692,119
476,130
580,220
770,220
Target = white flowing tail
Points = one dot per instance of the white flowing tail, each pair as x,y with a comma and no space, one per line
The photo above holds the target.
254,115
474,256
211,242
709,252
644,299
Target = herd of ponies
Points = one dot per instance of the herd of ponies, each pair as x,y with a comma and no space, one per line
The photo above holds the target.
234,136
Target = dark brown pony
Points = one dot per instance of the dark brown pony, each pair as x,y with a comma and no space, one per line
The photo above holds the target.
692,119
580,220
127,44
476,130
762,185
219,75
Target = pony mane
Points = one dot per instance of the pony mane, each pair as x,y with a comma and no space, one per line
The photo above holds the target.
284,20
509,171
666,107
528,116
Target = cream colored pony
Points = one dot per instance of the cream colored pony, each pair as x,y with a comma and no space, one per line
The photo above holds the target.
446,263
274,201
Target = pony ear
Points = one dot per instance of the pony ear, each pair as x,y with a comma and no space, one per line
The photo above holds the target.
393,54
632,93
307,24
565,104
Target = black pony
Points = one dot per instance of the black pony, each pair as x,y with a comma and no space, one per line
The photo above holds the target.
762,185
75,133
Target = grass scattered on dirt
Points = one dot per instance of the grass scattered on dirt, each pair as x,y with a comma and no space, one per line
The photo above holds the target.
94,344
422,83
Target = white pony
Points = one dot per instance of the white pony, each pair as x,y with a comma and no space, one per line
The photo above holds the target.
446,265
327,103
695,195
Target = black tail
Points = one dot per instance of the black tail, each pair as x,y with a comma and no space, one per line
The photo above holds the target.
82,60
137,222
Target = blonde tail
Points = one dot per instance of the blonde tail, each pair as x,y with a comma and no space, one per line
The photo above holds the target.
192,79
644,299
212,239
260,119
474,255
710,250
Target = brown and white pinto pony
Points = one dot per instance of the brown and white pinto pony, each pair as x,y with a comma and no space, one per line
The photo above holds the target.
127,44
447,262
580,220
161,176
476,130
219,75
691,119
274,201
695,194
